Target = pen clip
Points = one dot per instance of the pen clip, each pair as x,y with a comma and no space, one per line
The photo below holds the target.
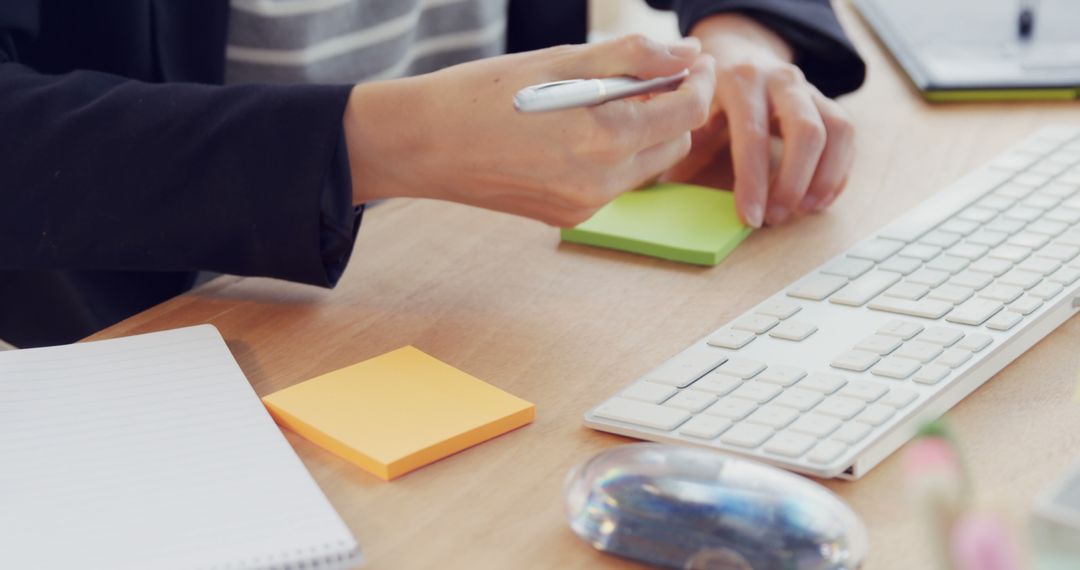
543,86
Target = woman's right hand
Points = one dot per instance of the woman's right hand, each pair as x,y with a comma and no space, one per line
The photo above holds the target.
454,134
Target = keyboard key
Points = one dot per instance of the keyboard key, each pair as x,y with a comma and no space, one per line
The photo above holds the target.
1041,265
1065,276
855,360
969,251
719,384
977,214
878,344
793,330
849,267
954,357
746,435
731,408
948,263
641,414
685,368
741,368
779,308
1047,227
1004,321
910,291
957,226
1001,292
705,427
928,277
816,425
876,249
1002,224
759,392
731,339
920,351
997,203
691,400
816,287
1045,290
1026,305
1011,253
648,392
852,433
841,407
1021,278
865,391
932,374
926,308
971,279
1029,240
895,367
995,267
826,452
799,398
898,398
954,294
920,251
822,382
755,323
1023,213
975,342
1066,215
1059,252
781,375
901,265
876,414
773,416
974,312
790,444
858,292
941,335
901,329
989,238
939,238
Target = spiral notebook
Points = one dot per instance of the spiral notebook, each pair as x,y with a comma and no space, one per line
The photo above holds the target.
152,451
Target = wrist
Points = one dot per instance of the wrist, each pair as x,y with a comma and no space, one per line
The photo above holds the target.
728,33
379,134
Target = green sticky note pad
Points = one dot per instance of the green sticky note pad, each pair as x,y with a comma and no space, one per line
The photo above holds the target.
678,222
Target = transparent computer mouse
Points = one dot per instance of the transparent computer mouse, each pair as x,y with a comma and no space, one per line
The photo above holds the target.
682,507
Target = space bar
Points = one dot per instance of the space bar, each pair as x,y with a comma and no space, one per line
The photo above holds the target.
926,308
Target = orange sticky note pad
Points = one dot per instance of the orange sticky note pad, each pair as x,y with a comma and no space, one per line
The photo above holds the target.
397,412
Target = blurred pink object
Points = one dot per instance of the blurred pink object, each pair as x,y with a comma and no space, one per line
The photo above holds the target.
982,542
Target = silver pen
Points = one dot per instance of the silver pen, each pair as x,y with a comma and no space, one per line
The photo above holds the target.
572,93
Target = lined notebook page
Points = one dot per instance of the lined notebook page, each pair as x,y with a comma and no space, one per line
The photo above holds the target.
152,451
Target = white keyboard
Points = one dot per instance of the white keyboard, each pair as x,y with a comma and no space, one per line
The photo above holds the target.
834,373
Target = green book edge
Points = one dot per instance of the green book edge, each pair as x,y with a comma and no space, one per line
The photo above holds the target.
585,236
962,95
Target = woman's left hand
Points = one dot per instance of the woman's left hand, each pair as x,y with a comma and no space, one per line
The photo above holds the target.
759,93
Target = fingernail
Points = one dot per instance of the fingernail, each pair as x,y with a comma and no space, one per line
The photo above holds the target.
777,214
754,216
809,203
686,47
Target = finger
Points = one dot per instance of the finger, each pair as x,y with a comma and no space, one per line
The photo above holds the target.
804,136
646,122
836,159
633,55
707,143
654,160
742,95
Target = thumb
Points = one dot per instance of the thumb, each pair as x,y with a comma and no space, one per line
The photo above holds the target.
637,56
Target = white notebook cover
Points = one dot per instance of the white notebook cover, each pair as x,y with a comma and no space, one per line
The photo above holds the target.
149,452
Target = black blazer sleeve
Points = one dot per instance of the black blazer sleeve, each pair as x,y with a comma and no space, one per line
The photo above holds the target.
103,172
822,49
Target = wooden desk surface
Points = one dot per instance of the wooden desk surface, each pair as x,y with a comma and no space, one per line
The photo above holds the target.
566,326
